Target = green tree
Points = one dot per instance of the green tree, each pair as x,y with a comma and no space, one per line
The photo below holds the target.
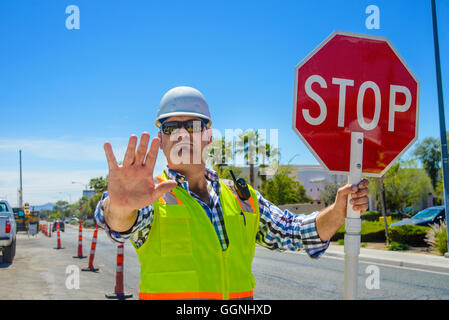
439,191
255,151
84,207
248,145
405,185
282,189
224,172
79,206
55,216
99,184
270,154
63,208
91,205
330,192
220,152
429,153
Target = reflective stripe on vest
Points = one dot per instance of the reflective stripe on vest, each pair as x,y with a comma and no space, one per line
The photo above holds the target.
169,197
181,295
194,295
182,257
246,206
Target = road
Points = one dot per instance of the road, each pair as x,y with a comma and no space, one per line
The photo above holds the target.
39,272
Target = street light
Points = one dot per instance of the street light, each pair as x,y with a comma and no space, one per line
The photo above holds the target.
443,139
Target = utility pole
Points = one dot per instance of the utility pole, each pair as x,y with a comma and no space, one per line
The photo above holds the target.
442,119
381,187
20,190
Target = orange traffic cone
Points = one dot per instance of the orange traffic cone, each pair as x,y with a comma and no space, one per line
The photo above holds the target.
80,242
91,267
119,291
59,236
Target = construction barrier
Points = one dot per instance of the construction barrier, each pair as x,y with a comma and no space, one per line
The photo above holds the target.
49,229
58,233
93,246
119,291
80,242
44,229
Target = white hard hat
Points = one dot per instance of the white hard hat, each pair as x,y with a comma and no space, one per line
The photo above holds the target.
183,101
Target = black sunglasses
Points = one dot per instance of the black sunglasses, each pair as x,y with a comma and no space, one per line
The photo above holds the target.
190,125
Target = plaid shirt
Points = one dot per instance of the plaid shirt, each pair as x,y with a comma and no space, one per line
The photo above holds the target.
278,230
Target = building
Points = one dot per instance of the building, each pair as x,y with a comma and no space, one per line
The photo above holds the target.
313,178
88,193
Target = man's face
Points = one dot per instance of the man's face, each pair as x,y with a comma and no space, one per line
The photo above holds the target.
184,140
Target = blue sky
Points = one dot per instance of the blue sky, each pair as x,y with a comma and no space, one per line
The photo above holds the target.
64,92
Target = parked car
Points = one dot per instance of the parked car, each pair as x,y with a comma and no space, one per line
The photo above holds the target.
61,226
425,217
8,230
73,220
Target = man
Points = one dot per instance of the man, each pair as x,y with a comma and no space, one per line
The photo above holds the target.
195,237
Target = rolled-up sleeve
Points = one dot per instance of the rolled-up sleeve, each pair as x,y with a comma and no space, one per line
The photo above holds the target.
143,221
283,230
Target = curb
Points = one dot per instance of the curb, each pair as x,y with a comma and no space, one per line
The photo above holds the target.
393,262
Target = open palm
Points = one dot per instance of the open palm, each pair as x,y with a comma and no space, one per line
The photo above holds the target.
131,185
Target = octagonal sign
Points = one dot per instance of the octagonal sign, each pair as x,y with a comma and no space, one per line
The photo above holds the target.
355,83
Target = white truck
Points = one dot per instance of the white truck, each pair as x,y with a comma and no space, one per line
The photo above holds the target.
7,232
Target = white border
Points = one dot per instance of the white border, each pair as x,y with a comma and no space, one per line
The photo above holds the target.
310,55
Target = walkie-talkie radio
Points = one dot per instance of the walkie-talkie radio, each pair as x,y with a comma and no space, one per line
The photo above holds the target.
241,187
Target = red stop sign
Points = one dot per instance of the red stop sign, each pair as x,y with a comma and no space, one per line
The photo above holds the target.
355,83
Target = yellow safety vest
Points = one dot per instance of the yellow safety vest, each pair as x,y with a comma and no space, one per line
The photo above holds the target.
182,257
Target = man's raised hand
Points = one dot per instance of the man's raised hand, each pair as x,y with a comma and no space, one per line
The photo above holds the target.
131,185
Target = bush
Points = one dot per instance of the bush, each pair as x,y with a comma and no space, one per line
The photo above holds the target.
395,246
341,242
436,238
409,234
375,215
371,216
372,231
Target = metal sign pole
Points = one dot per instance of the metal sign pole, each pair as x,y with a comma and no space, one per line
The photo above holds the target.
442,119
353,223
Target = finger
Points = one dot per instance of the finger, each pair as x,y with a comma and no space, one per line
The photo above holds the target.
360,201
164,187
363,184
347,189
142,148
110,157
360,207
130,151
151,156
360,193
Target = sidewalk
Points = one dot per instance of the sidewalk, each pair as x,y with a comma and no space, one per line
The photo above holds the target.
395,258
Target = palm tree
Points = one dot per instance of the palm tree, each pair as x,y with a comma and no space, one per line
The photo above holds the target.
247,145
268,152
220,152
